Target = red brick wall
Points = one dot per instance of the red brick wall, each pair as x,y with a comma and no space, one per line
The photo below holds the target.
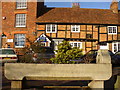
8,25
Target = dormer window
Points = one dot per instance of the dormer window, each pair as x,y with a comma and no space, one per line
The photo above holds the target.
75,28
51,28
112,29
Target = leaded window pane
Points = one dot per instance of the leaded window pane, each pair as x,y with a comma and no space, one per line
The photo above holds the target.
114,29
19,40
21,4
20,20
110,29
48,28
51,28
75,28
75,44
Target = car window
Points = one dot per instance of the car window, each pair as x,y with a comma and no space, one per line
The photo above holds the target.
7,51
49,50
45,50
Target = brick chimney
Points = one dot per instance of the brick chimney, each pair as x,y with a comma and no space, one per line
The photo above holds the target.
114,6
75,5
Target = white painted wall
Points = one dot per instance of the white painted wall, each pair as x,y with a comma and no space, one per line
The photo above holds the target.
104,46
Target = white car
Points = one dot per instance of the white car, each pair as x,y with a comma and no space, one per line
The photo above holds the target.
7,55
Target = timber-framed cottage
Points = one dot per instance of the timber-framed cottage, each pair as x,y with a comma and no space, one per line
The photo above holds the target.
88,29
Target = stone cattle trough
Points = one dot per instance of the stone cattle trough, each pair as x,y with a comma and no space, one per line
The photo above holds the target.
98,72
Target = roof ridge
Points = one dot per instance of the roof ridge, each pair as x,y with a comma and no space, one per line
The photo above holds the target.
81,8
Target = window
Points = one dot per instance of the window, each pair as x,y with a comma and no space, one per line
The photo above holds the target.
51,28
76,44
89,36
112,29
116,47
43,43
21,4
19,40
75,28
20,20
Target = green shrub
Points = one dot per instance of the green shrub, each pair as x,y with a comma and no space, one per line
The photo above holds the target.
65,53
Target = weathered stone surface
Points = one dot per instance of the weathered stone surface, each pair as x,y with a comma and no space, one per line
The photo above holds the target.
103,57
96,84
17,71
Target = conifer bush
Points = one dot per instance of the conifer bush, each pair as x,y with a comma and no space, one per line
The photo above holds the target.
65,53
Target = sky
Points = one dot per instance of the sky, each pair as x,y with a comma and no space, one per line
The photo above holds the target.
97,5
101,5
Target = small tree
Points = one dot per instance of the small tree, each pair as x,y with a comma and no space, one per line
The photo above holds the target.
65,53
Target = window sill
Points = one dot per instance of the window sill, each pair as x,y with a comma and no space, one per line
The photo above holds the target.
21,8
112,33
51,32
20,26
75,31
19,46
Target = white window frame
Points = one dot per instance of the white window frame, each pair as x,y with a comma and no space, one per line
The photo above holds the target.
117,48
112,29
75,27
73,44
21,4
18,39
51,30
20,20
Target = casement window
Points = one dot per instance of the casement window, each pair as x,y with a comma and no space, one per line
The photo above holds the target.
116,47
19,40
76,44
75,28
51,28
20,20
21,4
112,29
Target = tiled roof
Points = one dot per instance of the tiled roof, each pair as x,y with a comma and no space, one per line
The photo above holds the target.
79,15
